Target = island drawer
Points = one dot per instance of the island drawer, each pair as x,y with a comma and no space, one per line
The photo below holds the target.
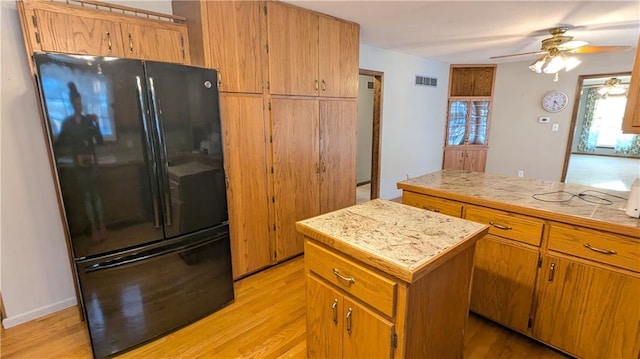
608,248
377,291
508,225
434,204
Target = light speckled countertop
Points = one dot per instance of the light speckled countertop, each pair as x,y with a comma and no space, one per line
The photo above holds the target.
387,234
518,193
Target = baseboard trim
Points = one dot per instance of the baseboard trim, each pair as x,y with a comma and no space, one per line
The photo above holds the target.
38,312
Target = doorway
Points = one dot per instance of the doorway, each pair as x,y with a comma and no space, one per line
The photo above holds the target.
368,142
598,153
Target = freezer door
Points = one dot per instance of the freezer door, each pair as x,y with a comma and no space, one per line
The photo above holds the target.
97,118
184,104
136,297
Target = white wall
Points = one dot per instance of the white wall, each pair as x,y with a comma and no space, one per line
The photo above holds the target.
35,272
413,117
365,129
516,140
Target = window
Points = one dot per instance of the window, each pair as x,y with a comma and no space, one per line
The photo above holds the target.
607,119
94,89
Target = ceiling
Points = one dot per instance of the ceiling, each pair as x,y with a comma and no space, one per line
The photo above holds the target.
472,31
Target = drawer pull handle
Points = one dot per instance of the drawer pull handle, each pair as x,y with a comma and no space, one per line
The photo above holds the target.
552,271
432,209
349,313
349,280
334,308
603,251
500,226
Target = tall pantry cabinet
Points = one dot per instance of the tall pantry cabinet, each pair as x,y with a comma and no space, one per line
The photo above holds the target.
296,157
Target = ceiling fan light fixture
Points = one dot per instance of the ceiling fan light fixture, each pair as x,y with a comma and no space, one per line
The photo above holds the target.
555,64
612,86
536,66
570,62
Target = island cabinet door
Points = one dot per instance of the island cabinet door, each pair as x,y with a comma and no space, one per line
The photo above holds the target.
324,320
588,311
366,334
503,281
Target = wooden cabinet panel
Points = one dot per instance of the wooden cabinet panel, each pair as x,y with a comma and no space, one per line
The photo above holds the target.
295,147
324,320
453,159
472,81
433,204
503,281
366,334
338,125
236,44
339,62
77,34
245,151
293,50
146,42
631,119
587,311
508,225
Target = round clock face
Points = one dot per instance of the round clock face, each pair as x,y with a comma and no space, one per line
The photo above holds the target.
555,101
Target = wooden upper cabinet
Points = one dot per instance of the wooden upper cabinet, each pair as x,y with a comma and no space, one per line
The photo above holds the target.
631,119
293,50
88,29
476,81
78,34
311,54
228,36
160,43
338,40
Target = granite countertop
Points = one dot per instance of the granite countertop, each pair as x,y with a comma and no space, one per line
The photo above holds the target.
395,238
552,198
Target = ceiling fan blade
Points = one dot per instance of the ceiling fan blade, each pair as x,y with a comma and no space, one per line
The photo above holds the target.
598,49
572,45
521,54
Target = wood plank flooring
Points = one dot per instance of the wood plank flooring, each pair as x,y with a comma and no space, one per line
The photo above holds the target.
267,320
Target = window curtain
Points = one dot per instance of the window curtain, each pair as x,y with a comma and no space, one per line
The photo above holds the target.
589,134
628,144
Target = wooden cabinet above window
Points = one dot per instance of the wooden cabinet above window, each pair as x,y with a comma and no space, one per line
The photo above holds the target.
102,29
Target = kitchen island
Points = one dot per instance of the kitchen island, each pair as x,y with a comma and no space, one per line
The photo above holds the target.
385,280
561,262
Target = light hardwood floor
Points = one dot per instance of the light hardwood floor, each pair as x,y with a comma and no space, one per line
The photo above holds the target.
267,320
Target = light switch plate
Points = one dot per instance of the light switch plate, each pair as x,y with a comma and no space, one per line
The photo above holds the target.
555,127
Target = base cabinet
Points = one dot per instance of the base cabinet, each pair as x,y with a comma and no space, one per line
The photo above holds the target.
579,305
342,327
503,281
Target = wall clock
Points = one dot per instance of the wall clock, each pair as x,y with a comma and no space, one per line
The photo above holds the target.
555,101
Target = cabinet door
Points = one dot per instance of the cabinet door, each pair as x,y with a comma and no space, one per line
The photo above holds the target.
293,50
475,160
587,311
245,155
631,119
235,40
325,320
453,159
338,61
338,122
366,334
296,169
477,122
504,277
457,122
151,42
77,34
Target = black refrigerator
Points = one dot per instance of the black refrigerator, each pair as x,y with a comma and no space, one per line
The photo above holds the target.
138,158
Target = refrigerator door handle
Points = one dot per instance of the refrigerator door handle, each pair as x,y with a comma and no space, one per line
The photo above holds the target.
164,177
150,151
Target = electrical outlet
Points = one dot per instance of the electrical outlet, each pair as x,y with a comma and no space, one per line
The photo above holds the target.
544,119
555,127
520,173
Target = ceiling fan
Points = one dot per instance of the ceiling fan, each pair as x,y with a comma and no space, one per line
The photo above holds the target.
557,52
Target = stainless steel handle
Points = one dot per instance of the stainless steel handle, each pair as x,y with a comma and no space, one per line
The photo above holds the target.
150,150
603,251
552,271
334,308
109,40
500,226
349,314
130,44
163,153
324,86
349,280
432,209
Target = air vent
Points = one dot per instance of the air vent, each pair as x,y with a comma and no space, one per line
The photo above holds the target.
426,81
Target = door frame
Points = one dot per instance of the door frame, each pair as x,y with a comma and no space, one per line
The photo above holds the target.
377,120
